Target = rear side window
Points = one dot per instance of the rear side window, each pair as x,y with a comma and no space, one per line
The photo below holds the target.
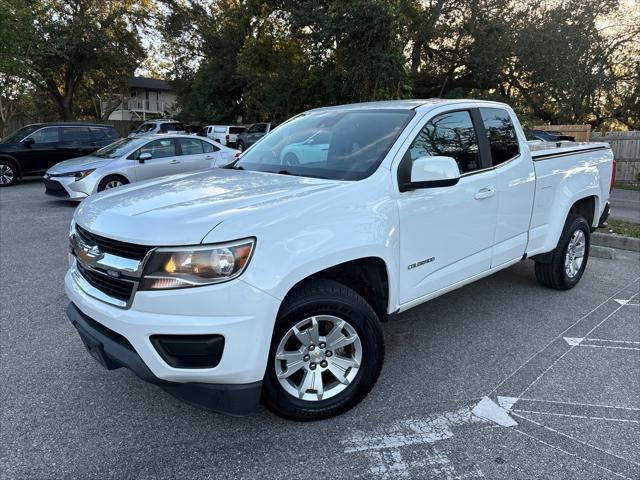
450,134
173,127
191,146
100,133
501,134
236,129
208,148
76,134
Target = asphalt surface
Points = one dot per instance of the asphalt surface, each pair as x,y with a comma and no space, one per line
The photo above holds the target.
625,205
564,366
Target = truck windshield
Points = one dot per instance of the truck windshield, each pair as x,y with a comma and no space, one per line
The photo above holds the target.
334,144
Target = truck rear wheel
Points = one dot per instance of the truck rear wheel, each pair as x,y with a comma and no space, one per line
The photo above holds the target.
326,353
569,259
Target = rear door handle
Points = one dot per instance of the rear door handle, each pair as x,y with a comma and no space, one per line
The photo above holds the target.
485,193
174,162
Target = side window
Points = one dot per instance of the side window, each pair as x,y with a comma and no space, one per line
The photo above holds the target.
159,148
208,148
450,135
261,128
221,129
501,134
191,146
46,135
76,135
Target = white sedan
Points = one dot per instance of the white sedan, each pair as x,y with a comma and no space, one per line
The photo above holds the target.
132,160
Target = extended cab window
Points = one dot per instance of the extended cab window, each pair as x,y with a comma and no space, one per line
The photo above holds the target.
159,148
450,134
501,134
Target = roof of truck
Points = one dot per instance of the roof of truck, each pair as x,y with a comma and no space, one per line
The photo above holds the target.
405,104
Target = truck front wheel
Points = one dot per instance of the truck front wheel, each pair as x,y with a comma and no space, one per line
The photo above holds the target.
326,353
567,262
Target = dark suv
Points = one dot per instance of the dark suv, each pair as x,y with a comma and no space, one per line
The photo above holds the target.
35,148
254,133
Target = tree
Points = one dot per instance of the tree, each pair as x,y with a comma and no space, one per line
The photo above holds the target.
80,43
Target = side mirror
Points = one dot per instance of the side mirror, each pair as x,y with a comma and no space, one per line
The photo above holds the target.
432,172
144,156
28,142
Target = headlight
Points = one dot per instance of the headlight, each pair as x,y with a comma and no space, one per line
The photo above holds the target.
183,267
78,175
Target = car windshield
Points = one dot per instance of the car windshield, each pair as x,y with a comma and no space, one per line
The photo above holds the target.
334,144
19,134
120,148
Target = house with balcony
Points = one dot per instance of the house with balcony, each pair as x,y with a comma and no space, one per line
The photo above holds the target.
147,98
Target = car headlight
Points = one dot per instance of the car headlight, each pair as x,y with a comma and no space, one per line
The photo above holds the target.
183,267
78,175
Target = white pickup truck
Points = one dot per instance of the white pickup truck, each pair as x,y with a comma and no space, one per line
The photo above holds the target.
268,280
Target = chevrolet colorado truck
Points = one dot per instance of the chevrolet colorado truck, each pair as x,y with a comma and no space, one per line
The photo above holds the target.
268,280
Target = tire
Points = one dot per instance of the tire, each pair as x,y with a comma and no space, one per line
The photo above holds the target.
560,273
290,160
329,303
110,182
8,173
240,146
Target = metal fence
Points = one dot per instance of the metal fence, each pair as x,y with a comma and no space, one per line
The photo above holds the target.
626,150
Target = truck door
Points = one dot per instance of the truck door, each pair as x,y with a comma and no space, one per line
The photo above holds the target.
515,185
446,233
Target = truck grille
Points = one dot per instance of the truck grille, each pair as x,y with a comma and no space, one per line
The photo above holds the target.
114,287
115,247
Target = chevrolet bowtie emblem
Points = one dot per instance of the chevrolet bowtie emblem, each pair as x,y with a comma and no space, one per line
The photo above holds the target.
88,254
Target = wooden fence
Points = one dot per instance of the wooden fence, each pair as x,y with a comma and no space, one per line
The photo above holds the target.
626,151
580,132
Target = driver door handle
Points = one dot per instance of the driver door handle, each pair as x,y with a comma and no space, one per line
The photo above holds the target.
485,193
174,162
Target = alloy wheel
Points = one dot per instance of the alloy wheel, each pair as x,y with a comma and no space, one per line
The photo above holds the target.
7,174
318,358
574,257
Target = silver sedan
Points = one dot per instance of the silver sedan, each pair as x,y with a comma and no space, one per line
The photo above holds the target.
132,160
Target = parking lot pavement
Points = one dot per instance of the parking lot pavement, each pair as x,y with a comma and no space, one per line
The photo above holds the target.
501,379
625,205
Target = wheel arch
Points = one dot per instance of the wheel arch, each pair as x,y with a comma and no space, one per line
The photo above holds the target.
367,276
108,175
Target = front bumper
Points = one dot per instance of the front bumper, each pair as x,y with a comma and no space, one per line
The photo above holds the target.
67,187
240,313
113,351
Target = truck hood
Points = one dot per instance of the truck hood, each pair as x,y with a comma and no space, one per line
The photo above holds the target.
182,209
78,164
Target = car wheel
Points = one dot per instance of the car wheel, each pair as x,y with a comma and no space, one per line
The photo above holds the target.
569,259
291,160
326,353
240,146
112,181
8,173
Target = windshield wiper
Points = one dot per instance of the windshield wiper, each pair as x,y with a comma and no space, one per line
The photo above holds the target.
287,172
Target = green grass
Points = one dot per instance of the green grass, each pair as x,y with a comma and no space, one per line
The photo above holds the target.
620,227
628,186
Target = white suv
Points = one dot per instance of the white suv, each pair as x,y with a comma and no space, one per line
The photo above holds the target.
225,134
159,126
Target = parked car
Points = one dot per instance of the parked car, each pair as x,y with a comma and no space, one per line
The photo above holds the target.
314,149
269,281
253,133
225,134
34,148
196,130
152,127
131,160
548,136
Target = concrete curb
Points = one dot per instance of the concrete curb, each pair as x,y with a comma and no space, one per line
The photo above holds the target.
602,252
615,241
